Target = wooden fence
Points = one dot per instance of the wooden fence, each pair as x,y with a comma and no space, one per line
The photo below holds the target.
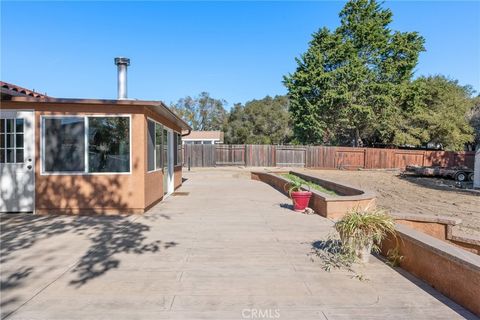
320,157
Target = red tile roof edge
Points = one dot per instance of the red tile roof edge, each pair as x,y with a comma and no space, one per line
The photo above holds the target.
22,90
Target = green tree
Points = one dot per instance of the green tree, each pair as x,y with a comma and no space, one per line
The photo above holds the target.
435,110
264,121
202,112
474,119
346,85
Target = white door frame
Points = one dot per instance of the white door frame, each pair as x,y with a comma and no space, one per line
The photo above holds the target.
29,150
170,164
168,177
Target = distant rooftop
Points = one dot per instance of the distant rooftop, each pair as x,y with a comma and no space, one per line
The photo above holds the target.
205,135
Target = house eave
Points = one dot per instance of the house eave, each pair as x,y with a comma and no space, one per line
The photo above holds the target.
157,106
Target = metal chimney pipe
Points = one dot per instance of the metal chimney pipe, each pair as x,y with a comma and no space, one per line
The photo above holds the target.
122,64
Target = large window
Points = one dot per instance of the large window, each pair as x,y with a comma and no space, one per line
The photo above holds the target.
154,148
108,144
64,144
86,144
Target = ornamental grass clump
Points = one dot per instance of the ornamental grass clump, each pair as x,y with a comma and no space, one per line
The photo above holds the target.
362,231
296,184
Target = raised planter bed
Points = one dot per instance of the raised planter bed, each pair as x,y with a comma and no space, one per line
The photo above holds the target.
333,206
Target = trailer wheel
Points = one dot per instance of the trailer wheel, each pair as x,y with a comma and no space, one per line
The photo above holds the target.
470,176
461,176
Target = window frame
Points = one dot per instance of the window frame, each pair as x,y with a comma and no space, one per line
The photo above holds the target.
86,125
154,146
14,148
177,146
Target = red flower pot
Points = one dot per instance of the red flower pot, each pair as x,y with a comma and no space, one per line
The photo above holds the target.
300,200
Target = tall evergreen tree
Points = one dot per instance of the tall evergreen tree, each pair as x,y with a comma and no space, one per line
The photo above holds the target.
346,85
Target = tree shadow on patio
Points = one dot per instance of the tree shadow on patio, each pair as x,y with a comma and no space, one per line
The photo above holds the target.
116,235
108,237
31,244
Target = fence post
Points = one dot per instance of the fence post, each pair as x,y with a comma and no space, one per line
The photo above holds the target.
365,153
214,157
308,155
274,150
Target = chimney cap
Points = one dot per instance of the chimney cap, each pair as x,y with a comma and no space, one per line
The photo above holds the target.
122,60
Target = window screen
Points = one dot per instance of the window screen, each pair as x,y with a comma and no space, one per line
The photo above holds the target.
179,149
64,144
151,145
108,144
165,148
175,149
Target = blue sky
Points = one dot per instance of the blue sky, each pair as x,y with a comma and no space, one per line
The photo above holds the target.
234,50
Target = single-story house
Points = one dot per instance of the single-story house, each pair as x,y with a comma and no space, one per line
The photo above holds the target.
203,137
87,155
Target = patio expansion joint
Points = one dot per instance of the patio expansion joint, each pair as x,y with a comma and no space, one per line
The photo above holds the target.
187,259
326,318
308,288
171,304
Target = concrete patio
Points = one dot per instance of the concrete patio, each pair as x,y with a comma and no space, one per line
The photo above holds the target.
225,247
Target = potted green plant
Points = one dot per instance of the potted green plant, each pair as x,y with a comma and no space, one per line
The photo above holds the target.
299,196
362,231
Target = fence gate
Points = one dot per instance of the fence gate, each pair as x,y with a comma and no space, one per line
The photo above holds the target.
230,155
290,156
197,155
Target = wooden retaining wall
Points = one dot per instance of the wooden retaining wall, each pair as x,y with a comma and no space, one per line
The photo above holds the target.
321,157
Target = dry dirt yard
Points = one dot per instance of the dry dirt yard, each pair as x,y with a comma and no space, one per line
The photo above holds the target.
410,194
